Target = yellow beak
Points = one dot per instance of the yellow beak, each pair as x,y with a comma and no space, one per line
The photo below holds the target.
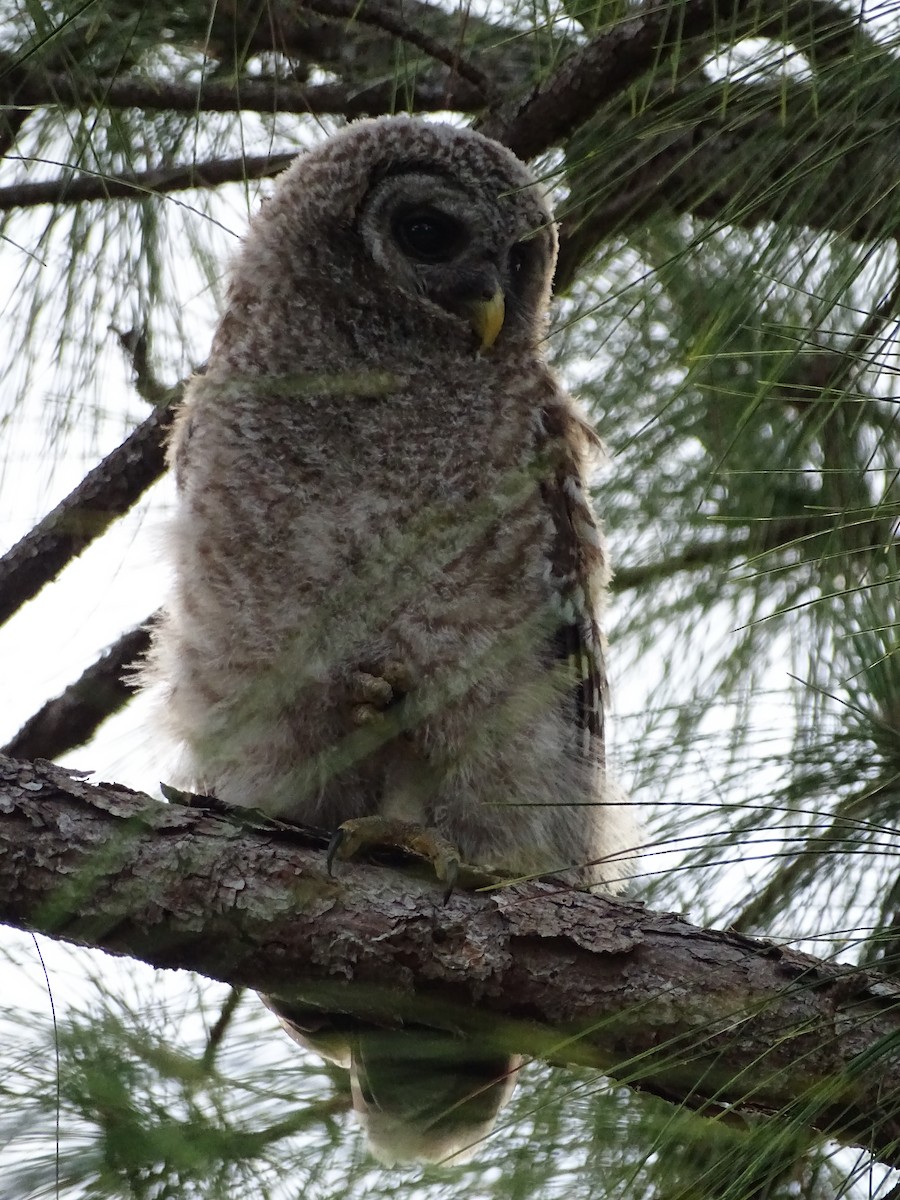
486,318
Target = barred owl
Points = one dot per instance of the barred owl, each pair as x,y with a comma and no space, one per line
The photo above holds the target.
388,578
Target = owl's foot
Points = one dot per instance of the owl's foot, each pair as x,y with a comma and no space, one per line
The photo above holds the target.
372,694
363,832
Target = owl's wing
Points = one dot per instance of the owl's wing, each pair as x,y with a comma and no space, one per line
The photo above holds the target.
579,571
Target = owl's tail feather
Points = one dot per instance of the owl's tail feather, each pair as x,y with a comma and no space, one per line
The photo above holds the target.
422,1095
426,1095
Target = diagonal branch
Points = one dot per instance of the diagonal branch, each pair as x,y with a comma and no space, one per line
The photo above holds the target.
606,66
383,15
655,41
741,155
708,1017
106,492
73,717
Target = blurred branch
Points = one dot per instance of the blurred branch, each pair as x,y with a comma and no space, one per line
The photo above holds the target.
136,184
691,558
337,35
658,40
220,1028
394,19
73,717
251,95
764,538
607,66
708,1016
824,31
843,365
106,492
358,41
738,154
12,116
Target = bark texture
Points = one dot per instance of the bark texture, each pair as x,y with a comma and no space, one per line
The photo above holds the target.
708,1018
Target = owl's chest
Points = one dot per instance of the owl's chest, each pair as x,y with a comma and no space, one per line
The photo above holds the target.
428,444
435,487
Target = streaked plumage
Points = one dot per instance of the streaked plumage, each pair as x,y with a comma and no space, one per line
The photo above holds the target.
377,468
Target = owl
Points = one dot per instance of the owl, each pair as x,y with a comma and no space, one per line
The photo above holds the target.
388,580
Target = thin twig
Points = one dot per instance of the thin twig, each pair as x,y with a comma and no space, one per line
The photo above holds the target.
220,1028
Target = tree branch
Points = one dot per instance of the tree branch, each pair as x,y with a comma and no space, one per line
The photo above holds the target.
659,34
73,717
136,184
106,492
358,42
730,155
604,68
738,154
710,1017
383,15
252,95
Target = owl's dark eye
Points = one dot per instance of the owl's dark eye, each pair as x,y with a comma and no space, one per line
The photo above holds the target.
428,234
520,256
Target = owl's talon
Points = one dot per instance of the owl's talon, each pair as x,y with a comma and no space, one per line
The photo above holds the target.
452,875
399,676
364,832
334,846
372,695
371,690
366,714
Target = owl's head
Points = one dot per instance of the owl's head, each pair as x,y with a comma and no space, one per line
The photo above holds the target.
477,245
436,231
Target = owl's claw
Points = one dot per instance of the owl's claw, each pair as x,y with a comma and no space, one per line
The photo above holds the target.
452,869
371,694
353,836
399,676
333,847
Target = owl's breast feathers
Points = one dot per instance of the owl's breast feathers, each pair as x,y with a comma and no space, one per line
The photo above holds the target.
471,501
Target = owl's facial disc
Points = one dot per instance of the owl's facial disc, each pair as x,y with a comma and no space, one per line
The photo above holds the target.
470,254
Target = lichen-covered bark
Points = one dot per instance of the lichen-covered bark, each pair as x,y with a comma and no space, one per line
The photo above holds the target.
707,1017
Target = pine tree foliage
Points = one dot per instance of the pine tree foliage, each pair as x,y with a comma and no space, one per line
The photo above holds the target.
728,308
